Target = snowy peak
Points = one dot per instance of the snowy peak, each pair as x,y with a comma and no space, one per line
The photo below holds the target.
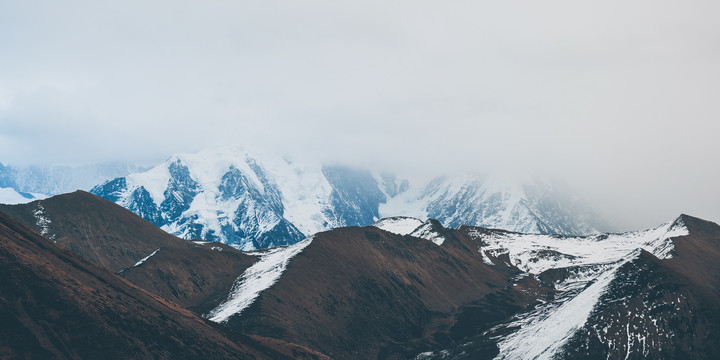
430,230
249,201
256,201
401,225
529,206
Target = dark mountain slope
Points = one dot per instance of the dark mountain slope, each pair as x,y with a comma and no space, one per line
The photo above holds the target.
697,255
54,304
94,228
195,275
198,277
367,293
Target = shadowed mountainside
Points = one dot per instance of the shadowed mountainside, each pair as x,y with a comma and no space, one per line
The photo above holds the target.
363,292
55,304
368,293
195,275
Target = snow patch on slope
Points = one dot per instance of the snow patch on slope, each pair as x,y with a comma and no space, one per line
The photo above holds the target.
401,225
428,232
256,279
537,253
43,222
544,331
592,262
141,261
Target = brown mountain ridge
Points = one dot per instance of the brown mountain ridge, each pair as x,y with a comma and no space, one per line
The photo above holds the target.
54,304
363,292
194,275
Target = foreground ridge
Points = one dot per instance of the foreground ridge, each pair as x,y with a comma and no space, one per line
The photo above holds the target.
412,288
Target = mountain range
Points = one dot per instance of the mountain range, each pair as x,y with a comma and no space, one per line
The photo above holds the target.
19,184
55,304
400,288
256,201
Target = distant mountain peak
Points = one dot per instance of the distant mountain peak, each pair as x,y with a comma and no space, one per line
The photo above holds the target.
256,201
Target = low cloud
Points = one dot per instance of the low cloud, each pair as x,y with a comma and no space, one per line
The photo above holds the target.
620,99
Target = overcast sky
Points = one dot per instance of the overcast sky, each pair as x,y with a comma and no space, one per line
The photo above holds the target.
620,98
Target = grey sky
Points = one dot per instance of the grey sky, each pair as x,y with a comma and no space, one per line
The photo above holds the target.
621,98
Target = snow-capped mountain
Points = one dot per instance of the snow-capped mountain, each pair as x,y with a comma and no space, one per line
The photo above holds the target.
251,201
53,180
11,196
532,205
256,201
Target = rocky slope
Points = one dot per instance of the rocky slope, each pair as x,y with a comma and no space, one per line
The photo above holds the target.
477,293
407,288
197,275
57,305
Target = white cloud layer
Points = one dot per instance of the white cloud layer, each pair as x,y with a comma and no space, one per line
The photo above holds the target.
618,97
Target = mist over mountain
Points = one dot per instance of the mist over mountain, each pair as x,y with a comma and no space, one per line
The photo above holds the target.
367,179
256,201
56,179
